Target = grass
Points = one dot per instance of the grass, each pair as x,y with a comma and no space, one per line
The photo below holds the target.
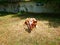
12,30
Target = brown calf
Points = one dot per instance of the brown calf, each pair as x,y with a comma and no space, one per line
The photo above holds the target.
31,23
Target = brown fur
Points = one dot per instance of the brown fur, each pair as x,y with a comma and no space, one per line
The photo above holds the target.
32,25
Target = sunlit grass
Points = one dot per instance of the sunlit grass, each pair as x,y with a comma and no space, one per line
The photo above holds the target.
12,32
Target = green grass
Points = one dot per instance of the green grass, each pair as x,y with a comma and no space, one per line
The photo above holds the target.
12,30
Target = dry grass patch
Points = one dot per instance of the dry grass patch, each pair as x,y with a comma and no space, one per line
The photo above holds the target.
12,32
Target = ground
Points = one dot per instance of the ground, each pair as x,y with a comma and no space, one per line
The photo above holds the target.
12,31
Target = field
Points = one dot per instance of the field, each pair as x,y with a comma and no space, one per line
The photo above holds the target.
12,31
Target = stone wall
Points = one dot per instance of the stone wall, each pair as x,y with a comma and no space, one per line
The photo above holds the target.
25,6
32,7
9,8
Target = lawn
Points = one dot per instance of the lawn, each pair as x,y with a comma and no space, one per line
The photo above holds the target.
12,31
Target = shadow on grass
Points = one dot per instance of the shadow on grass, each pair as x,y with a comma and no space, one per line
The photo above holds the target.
29,31
54,19
5,13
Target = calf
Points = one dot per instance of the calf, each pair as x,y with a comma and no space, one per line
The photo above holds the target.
31,23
